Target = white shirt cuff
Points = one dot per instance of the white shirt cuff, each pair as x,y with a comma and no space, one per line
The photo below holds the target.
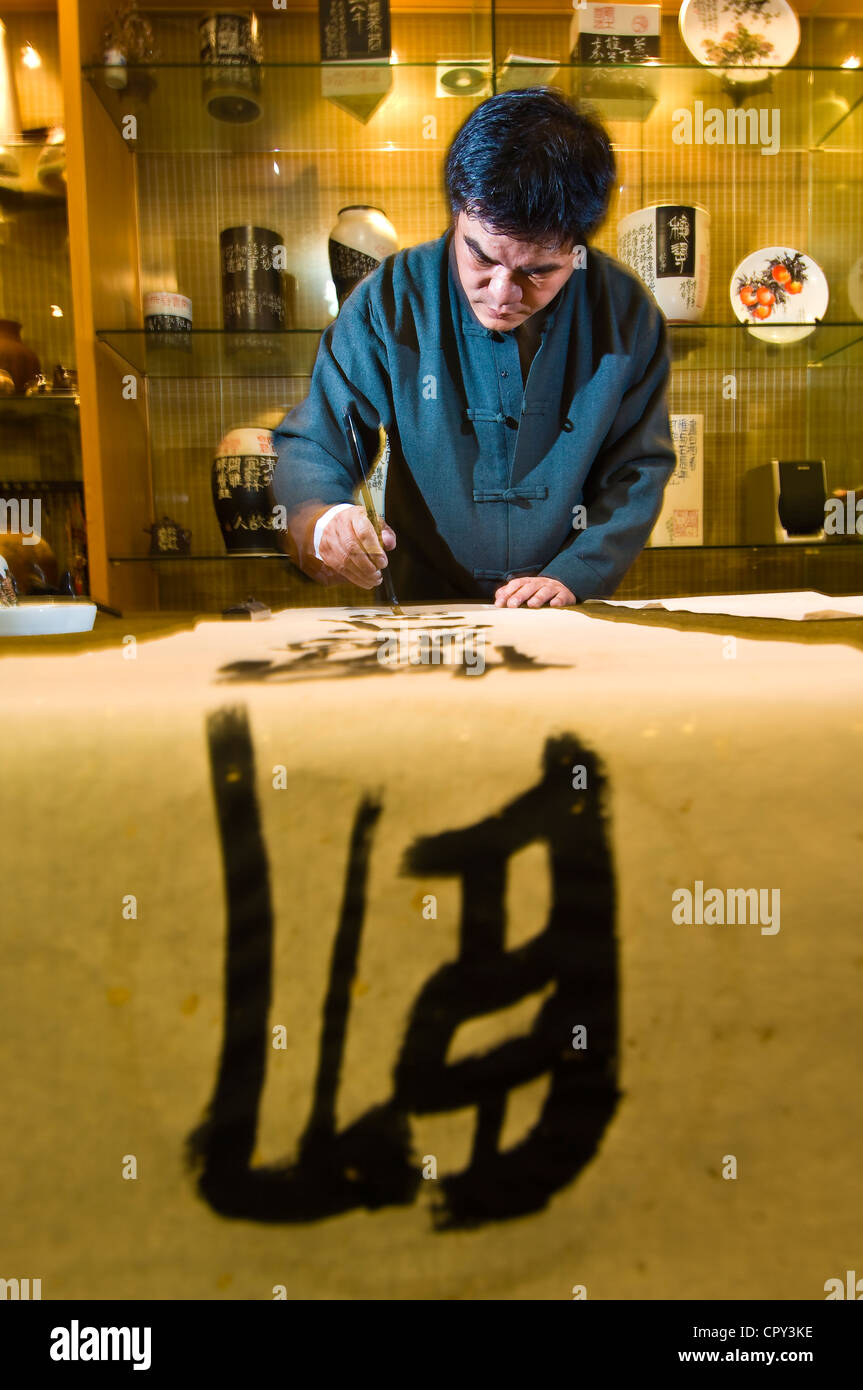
322,521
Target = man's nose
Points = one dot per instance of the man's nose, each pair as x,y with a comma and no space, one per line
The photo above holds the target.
504,289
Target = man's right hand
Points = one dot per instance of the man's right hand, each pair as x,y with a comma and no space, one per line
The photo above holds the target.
349,547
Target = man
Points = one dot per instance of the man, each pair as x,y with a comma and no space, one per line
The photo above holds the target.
520,378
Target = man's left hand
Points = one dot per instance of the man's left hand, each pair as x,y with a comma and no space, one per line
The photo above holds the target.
534,592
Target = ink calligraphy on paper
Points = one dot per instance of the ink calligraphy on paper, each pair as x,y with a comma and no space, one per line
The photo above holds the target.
369,1163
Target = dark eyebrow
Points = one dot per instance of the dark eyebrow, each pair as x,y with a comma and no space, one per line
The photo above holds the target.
524,269
477,250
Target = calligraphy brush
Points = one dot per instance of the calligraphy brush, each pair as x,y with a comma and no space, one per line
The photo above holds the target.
359,458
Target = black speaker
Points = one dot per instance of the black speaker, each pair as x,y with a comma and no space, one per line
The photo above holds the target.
785,501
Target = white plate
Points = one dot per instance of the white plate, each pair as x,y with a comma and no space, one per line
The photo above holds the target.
38,618
770,25
791,315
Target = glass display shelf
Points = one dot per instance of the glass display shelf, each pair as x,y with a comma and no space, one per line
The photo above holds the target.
34,486
807,547
51,403
213,352
707,346
302,112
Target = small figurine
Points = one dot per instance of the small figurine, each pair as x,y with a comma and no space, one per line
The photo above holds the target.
127,38
129,35
168,537
65,378
8,592
39,385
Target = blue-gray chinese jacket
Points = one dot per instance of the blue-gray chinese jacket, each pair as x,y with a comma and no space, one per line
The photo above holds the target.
487,476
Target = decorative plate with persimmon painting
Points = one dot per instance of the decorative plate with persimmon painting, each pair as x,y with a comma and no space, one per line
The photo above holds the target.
740,36
779,293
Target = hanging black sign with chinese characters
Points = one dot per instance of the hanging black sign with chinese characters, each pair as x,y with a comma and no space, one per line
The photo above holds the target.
607,34
354,29
675,241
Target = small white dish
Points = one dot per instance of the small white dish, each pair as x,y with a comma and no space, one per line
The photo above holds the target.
41,618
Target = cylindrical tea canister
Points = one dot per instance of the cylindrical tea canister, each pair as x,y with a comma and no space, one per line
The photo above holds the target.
252,286
230,50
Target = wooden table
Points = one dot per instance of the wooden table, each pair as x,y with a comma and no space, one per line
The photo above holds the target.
329,968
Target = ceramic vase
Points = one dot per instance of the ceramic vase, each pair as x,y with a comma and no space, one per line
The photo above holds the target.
668,246
242,491
362,237
20,361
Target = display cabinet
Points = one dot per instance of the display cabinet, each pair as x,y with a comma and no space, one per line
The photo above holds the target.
161,177
42,527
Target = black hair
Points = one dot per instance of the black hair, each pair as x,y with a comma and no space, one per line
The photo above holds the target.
532,165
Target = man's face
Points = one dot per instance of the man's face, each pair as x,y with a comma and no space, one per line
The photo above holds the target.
507,280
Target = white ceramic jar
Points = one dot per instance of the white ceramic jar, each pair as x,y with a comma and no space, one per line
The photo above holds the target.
167,312
668,246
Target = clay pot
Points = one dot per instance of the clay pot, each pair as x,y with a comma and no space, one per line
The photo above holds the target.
20,361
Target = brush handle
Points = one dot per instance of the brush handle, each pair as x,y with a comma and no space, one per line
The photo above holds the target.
359,458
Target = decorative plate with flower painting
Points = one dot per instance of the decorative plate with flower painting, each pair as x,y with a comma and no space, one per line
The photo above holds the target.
740,36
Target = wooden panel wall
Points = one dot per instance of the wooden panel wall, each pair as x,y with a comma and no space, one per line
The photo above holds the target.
104,252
